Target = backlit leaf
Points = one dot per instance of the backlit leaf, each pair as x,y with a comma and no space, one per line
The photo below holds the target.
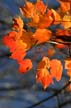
18,54
44,77
42,35
41,7
56,69
64,6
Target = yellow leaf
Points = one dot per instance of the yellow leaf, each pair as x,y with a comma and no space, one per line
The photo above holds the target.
66,22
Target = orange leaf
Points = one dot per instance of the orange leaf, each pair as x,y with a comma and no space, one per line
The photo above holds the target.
18,54
25,65
61,46
44,77
46,21
9,42
68,64
69,73
18,23
56,17
28,10
42,35
44,63
40,6
60,32
64,6
56,69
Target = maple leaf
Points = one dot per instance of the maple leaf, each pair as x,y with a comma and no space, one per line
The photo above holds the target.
18,23
56,69
44,77
42,35
41,7
27,39
44,63
18,54
9,42
46,21
25,65
28,10
64,6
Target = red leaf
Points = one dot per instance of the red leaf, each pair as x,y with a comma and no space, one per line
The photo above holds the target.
18,54
9,42
25,65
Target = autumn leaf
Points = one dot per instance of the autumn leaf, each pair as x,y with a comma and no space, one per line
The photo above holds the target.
25,65
64,6
18,23
41,7
56,69
60,32
27,39
66,21
28,10
68,63
42,35
18,54
56,17
9,42
60,46
44,63
46,21
44,77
